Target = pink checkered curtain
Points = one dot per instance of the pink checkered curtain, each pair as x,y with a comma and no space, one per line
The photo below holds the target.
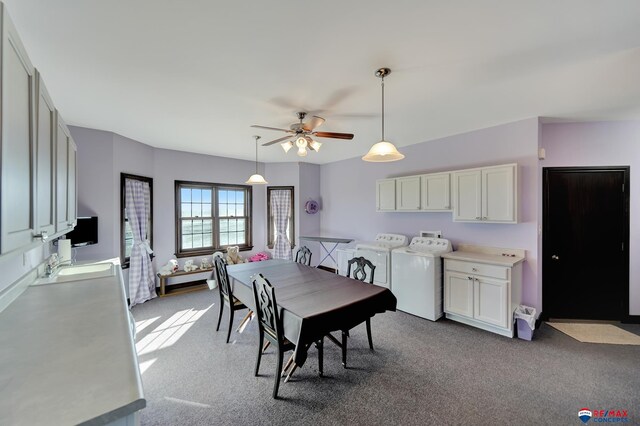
142,282
280,207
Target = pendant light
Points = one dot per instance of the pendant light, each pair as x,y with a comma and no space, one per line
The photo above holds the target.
256,179
383,151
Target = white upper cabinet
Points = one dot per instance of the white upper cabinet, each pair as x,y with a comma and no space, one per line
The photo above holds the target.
467,194
45,160
408,193
72,191
486,195
385,195
62,176
436,192
499,196
17,122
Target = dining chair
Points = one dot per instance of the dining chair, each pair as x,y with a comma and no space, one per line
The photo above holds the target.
359,273
226,296
303,255
270,328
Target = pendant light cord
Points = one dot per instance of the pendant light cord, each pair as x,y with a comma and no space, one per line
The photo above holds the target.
257,137
382,107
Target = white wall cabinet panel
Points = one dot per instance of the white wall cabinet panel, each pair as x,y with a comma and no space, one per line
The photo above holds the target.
436,192
408,193
45,160
467,189
18,86
72,191
486,195
498,194
62,177
385,195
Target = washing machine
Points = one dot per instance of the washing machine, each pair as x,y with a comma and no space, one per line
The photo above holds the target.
379,253
417,276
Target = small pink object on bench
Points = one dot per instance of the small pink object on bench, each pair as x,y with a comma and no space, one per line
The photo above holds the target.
259,257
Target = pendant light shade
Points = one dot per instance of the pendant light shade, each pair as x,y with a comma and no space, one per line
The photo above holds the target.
256,178
383,151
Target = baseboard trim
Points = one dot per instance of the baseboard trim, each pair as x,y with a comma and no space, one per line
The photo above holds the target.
631,319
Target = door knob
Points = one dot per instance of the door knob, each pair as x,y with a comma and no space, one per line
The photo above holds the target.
555,257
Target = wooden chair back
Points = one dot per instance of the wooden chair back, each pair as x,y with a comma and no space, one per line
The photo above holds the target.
223,278
267,309
360,272
303,255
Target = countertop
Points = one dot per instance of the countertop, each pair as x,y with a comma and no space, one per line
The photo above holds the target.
67,355
493,259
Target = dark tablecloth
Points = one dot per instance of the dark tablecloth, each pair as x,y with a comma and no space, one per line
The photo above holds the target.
313,302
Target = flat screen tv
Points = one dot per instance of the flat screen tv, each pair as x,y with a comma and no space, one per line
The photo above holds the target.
85,233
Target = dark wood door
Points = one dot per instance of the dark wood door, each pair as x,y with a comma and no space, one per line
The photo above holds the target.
585,269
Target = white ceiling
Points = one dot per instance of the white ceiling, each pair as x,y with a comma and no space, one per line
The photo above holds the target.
193,75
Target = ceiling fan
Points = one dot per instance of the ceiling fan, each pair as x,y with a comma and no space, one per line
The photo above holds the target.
302,134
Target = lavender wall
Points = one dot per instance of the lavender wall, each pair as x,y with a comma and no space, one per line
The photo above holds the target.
170,166
102,156
348,193
602,144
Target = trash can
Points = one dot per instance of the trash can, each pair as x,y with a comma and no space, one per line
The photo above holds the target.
526,321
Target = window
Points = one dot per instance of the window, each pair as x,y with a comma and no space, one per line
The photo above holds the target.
126,236
271,227
211,216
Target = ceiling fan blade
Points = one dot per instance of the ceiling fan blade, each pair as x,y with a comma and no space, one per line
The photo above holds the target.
313,123
276,140
333,135
271,128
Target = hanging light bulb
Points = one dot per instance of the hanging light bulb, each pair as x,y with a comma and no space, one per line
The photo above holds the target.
256,178
302,151
383,151
301,142
286,146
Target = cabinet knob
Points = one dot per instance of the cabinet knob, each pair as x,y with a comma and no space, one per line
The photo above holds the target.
469,278
474,269
478,218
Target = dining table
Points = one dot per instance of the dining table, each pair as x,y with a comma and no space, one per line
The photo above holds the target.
313,302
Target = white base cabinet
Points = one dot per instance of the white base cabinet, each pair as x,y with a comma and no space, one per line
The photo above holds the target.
482,290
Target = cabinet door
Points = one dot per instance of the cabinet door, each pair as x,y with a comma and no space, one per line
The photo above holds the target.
386,195
498,194
491,301
408,193
62,165
72,189
45,160
17,87
467,187
458,294
436,191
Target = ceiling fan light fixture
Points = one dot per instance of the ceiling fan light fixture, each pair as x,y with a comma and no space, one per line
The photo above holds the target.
383,151
315,145
256,178
302,151
301,142
286,146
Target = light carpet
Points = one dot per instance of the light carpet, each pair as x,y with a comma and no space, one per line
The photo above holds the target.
597,333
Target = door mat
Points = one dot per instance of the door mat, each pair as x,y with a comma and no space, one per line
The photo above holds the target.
597,333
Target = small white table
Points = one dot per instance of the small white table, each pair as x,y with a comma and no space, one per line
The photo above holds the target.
328,251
